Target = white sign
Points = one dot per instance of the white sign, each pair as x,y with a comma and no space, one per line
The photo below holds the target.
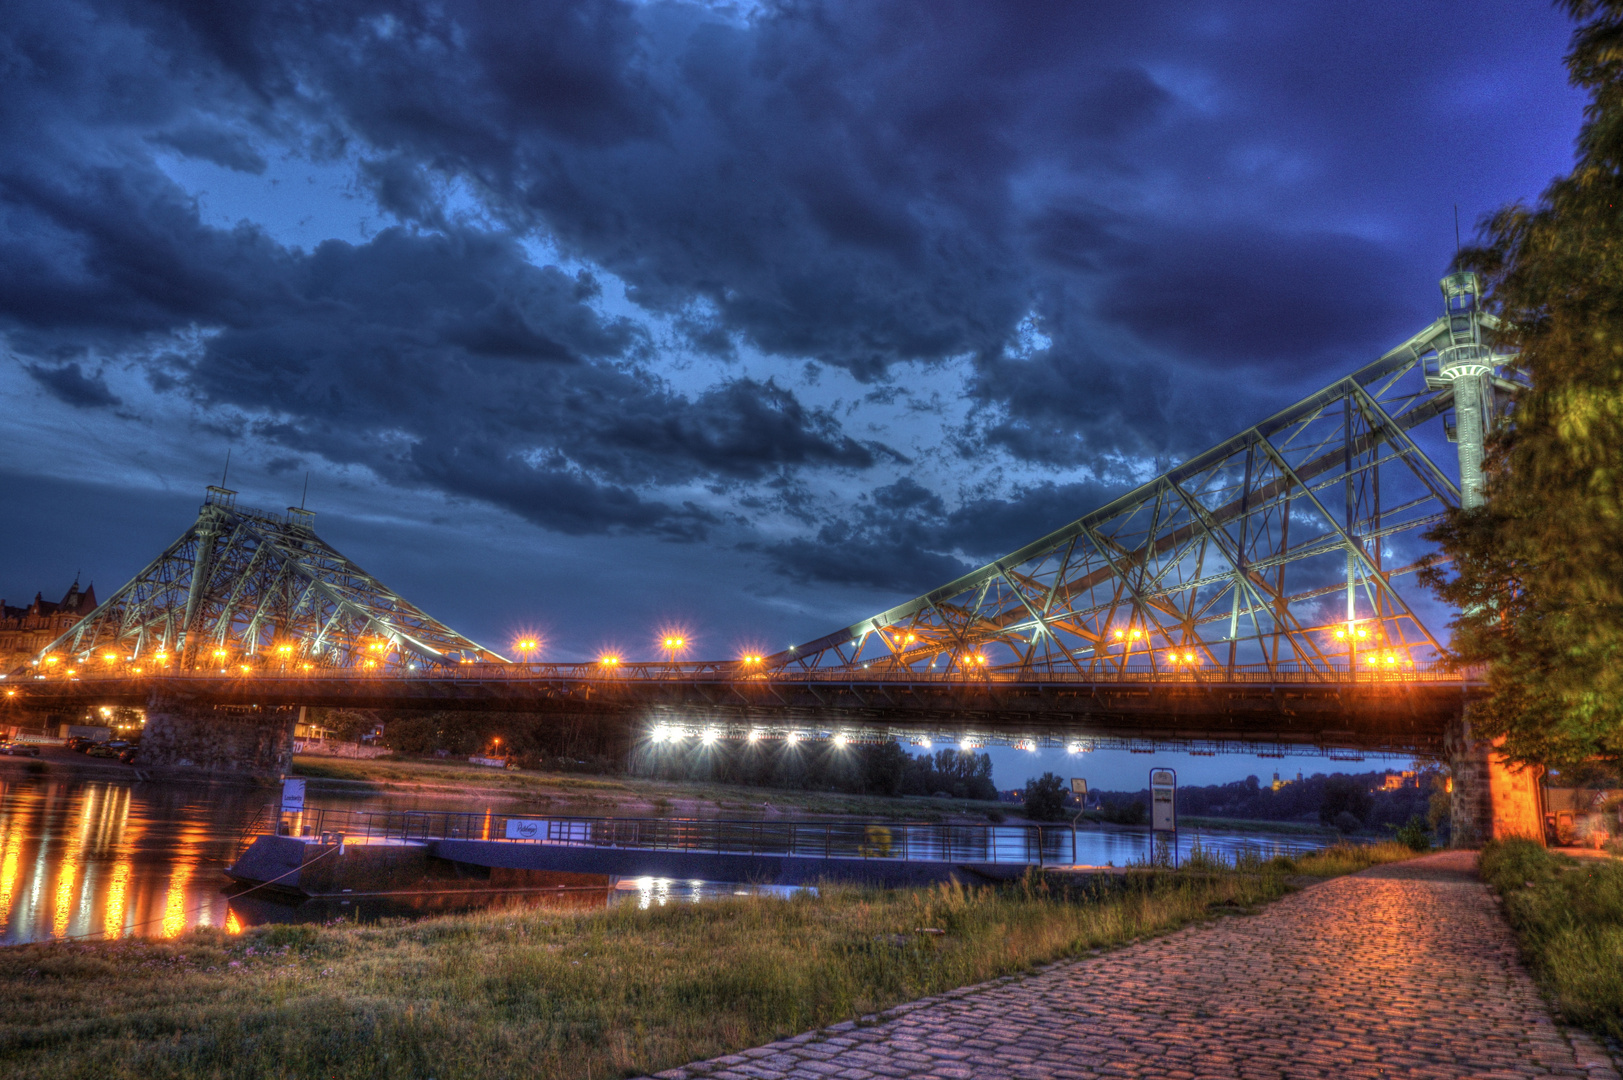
1163,800
1079,788
525,829
293,795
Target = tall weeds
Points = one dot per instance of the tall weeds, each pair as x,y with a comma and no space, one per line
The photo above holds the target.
538,993
1568,916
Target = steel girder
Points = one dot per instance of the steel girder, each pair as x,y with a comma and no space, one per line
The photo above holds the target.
247,587
1289,547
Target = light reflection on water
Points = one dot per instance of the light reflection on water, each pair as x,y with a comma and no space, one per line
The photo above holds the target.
650,892
97,859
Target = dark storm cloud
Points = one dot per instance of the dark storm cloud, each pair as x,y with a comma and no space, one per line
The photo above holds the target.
70,384
903,539
1208,208
839,182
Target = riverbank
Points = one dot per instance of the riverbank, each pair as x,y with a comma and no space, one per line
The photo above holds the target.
1568,918
570,995
583,795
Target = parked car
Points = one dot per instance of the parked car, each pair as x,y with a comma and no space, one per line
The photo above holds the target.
80,744
116,744
127,755
19,749
100,751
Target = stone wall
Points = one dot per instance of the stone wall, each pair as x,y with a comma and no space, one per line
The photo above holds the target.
250,743
1493,799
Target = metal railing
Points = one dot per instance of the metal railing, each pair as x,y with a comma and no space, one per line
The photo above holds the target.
679,672
898,841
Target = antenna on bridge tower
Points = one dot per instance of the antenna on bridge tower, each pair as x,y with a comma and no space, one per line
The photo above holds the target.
306,494
1456,230
227,470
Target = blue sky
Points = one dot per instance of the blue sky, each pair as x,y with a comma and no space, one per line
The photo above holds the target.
592,318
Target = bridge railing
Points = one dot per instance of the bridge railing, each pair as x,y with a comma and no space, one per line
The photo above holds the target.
898,841
637,674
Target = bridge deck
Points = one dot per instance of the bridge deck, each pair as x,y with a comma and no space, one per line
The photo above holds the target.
1405,712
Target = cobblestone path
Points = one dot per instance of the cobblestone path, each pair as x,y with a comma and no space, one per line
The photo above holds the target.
1402,970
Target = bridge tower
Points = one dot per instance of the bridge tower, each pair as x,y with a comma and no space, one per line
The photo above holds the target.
1465,364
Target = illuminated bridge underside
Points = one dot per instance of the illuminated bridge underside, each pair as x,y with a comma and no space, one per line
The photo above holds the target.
1290,548
1291,714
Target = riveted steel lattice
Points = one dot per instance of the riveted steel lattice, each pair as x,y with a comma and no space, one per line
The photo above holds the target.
1290,547
259,589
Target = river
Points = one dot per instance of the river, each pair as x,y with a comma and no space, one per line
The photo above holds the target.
96,859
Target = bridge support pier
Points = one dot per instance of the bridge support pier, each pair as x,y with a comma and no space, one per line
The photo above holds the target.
1493,799
244,742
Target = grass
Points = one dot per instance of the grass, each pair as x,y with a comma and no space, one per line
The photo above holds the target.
586,795
578,995
1568,916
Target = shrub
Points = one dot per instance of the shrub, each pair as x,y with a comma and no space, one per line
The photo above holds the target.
1346,822
1045,798
1414,834
1125,812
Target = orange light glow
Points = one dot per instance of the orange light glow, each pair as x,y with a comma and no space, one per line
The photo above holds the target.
219,652
1136,634
52,659
371,663
1189,658
233,925
11,693
283,650
138,671
609,661
1120,634
526,645
109,657
245,669
1341,635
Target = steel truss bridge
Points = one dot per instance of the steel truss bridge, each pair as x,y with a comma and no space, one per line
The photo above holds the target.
1259,594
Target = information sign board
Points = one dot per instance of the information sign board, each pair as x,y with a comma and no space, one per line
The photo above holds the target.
293,795
1079,788
1163,800
525,829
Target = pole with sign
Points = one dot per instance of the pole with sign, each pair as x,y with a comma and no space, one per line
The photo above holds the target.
1164,806
1079,788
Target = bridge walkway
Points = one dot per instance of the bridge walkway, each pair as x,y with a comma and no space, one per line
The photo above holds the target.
1401,970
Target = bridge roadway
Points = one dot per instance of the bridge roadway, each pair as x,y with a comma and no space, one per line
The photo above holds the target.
1405,713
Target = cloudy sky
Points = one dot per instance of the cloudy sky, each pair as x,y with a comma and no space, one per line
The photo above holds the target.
591,318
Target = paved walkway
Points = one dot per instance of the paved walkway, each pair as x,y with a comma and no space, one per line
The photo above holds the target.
1403,970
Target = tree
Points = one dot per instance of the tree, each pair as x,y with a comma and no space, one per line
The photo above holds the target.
1345,795
1045,798
1538,571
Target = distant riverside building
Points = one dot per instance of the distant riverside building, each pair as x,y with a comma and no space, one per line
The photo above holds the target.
24,631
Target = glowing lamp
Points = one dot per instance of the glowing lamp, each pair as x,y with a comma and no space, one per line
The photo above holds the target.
754,736
840,740
966,744
1120,634
52,659
609,661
